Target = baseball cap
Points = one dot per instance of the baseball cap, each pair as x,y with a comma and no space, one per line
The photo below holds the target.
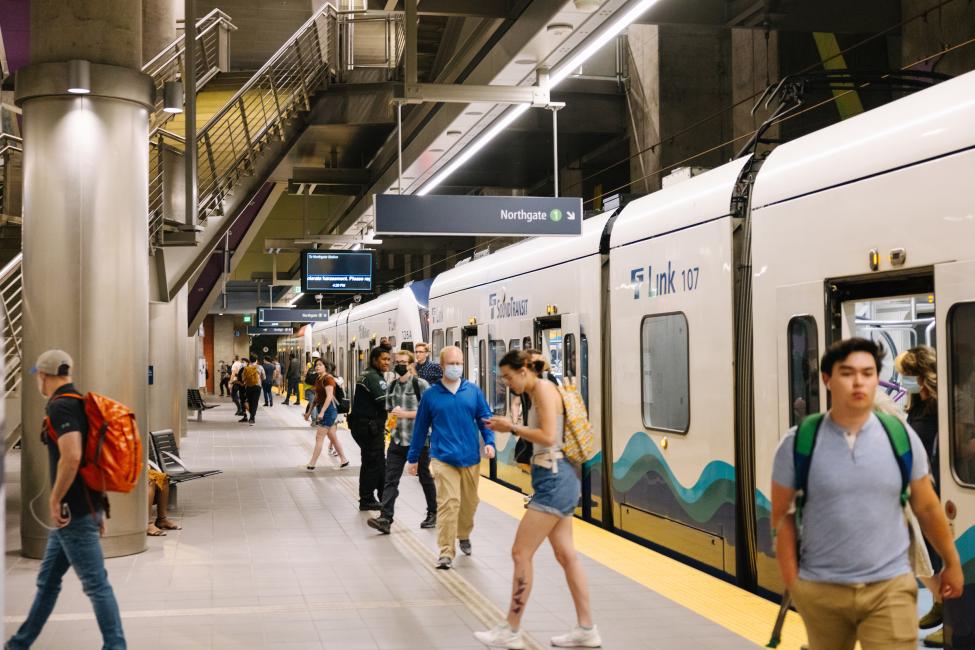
53,362
316,355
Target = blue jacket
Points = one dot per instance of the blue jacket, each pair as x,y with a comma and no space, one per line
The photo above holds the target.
453,422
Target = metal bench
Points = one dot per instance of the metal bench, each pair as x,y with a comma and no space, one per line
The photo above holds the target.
165,453
194,402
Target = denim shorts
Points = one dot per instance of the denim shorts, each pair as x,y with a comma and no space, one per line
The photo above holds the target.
556,493
329,416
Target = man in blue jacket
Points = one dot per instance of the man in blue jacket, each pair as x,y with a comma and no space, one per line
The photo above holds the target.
453,411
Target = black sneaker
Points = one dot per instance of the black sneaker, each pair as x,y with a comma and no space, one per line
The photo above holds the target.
465,546
370,505
243,419
444,562
430,521
380,523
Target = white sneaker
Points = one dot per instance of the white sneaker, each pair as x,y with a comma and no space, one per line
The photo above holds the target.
578,638
501,636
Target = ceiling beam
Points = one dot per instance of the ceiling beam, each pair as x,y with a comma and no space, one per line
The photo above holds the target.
330,176
464,8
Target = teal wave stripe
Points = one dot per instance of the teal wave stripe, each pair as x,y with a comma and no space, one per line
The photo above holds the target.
966,551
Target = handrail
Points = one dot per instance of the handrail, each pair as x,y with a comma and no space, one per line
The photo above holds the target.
214,18
11,301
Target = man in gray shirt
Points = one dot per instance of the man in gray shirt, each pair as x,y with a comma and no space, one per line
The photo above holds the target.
852,578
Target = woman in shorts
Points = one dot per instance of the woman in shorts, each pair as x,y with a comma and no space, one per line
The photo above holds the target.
324,414
549,513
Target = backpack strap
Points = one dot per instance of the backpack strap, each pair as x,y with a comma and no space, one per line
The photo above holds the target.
416,388
804,444
900,442
52,434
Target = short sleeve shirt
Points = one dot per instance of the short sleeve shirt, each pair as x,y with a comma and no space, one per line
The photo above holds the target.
324,381
403,394
369,399
853,528
67,414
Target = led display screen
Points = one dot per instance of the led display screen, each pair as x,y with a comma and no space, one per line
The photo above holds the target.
336,271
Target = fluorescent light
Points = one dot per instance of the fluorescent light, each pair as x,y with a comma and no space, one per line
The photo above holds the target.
563,71
593,46
478,144
296,299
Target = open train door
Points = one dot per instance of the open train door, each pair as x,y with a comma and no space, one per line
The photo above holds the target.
955,318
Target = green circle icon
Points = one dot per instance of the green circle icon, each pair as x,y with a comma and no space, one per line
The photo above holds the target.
555,215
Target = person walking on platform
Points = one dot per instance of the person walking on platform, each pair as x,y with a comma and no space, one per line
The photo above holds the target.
549,513
236,387
311,378
325,414
402,400
848,566
293,376
252,378
454,412
427,370
224,379
367,421
268,380
78,513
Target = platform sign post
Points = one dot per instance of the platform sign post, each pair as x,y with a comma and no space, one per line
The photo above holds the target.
525,216
268,315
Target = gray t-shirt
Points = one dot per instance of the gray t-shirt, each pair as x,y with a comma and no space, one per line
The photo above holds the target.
853,525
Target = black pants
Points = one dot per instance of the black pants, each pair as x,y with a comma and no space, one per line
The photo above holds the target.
369,435
292,390
253,399
395,462
268,400
224,386
237,394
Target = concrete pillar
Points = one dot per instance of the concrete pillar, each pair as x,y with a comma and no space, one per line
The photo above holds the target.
158,26
679,88
86,265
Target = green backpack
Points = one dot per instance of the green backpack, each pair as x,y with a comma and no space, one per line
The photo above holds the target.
805,443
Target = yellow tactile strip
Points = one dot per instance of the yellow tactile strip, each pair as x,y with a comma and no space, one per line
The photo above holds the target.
734,609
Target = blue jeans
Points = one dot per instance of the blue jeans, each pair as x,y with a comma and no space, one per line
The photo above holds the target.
76,545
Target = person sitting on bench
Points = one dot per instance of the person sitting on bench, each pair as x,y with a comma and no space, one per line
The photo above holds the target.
159,494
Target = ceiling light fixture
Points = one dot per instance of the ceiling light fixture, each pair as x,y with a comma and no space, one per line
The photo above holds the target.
357,246
173,97
603,36
79,77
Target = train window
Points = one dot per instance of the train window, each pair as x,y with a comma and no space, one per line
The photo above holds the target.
495,390
526,343
584,370
569,361
803,337
961,406
453,335
406,345
665,372
514,344
392,342
436,343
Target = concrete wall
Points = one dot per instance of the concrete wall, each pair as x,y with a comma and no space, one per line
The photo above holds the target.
952,24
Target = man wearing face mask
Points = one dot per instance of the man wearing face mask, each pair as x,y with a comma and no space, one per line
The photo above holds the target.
402,400
454,413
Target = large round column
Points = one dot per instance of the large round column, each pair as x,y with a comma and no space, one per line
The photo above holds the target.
85,234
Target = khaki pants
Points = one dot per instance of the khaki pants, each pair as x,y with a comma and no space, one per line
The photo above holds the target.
881,615
456,503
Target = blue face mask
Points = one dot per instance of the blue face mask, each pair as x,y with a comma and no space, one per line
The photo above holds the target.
910,384
453,371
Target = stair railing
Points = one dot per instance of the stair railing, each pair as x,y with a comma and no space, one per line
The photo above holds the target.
11,302
11,154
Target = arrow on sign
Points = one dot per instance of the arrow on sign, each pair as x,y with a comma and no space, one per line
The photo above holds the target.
571,215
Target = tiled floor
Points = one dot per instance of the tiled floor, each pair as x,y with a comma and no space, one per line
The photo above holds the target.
272,556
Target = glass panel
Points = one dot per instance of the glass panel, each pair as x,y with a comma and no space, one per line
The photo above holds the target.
570,356
553,343
803,340
584,370
514,344
665,372
392,342
961,409
452,338
497,392
437,344
526,343
406,345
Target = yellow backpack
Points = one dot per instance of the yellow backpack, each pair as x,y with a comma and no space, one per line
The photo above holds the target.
578,444
251,376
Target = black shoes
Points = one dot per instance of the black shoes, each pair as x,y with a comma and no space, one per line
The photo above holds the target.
370,505
465,546
243,419
430,521
381,524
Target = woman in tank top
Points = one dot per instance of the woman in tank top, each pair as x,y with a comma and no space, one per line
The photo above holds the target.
549,513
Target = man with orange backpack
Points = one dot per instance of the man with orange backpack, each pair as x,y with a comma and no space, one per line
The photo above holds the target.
77,510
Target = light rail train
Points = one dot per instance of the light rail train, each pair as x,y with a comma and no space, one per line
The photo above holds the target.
693,320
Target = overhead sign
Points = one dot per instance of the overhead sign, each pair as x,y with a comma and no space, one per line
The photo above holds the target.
257,331
247,318
267,315
527,216
336,271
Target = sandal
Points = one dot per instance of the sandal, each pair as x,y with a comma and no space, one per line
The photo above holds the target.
153,531
166,524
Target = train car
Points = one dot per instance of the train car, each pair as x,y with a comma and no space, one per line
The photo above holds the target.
867,227
541,293
398,316
670,394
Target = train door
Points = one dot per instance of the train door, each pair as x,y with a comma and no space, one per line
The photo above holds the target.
468,343
548,339
799,316
955,317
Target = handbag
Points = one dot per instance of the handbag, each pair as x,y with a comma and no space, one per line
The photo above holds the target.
523,448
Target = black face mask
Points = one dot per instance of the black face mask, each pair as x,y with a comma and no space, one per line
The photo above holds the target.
400,369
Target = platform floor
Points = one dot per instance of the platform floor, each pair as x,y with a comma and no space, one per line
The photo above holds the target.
273,556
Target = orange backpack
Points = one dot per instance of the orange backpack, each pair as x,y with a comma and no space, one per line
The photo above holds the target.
112,457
